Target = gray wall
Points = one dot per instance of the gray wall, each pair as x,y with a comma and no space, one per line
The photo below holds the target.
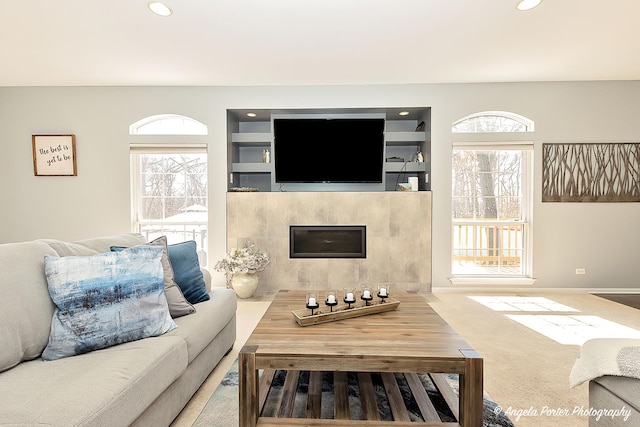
602,238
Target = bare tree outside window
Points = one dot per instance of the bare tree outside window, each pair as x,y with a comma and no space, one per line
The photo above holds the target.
172,183
172,197
487,184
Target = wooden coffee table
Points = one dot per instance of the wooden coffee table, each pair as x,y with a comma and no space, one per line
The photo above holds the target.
411,339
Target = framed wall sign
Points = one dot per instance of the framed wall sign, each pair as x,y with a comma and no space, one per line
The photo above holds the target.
54,155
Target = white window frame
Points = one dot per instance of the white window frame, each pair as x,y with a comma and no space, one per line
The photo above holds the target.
501,141
152,134
528,124
138,224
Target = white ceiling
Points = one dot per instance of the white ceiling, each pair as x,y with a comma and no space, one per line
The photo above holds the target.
291,42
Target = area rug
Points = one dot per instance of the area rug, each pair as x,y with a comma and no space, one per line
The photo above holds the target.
222,408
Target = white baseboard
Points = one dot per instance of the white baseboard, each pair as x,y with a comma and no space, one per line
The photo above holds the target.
492,281
526,289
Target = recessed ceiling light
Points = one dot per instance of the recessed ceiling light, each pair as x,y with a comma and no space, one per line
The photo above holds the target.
403,113
528,4
251,114
159,8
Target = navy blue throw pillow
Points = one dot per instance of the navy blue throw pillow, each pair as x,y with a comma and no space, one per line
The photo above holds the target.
186,270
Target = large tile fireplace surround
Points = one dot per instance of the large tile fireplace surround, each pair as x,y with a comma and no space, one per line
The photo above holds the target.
397,227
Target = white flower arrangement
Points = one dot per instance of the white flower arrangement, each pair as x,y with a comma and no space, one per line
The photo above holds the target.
245,260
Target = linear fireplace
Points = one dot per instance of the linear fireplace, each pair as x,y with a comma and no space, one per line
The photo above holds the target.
327,241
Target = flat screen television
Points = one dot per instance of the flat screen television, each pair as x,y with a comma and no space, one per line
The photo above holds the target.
328,150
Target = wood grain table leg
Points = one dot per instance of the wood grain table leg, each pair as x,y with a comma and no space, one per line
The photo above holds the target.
471,390
248,387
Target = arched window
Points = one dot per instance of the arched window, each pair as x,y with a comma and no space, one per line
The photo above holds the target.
492,121
491,196
168,124
169,181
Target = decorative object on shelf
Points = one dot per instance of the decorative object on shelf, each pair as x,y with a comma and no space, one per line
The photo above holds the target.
54,155
240,267
243,189
395,159
420,127
413,182
312,301
341,311
404,186
266,156
417,156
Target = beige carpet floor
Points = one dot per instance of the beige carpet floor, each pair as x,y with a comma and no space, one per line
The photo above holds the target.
525,371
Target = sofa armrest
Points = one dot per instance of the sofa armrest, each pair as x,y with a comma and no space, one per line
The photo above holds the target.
207,278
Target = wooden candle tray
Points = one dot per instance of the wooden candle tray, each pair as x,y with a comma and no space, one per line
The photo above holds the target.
341,311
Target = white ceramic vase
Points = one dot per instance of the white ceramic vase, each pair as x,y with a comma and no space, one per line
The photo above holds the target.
245,284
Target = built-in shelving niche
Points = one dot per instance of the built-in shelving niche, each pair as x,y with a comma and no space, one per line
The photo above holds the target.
247,137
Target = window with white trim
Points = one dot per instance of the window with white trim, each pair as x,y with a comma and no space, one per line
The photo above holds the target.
491,197
169,191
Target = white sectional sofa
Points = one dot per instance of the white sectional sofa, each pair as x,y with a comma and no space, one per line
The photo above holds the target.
146,382
615,401
611,366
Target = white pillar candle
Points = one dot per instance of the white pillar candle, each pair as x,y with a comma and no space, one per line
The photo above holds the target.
331,298
383,292
350,296
413,180
312,301
366,293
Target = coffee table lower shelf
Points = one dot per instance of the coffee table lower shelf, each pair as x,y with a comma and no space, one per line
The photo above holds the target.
281,408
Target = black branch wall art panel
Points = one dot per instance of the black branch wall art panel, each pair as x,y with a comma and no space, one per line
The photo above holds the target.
591,172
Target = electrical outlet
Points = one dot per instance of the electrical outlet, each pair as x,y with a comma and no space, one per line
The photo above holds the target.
581,271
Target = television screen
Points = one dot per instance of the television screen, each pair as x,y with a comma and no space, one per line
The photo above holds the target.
328,150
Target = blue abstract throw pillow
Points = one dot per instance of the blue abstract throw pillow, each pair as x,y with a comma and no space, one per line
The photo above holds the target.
178,304
105,299
186,270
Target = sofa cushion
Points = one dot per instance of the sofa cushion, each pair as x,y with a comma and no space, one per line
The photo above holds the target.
187,273
178,304
108,387
105,299
68,248
25,305
102,244
201,327
627,389
95,245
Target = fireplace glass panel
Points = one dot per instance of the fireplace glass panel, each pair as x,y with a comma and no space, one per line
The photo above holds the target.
322,241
